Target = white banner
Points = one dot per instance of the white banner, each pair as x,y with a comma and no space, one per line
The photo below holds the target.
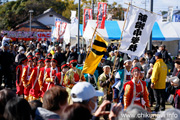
137,31
170,14
73,17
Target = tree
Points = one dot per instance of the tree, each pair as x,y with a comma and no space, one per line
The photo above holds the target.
15,12
116,10
164,12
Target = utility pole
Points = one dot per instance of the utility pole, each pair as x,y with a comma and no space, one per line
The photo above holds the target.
78,23
30,11
93,9
150,40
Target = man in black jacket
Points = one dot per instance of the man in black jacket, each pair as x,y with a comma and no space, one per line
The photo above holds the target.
60,56
6,65
164,53
73,53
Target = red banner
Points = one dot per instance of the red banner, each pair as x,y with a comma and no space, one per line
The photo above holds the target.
87,16
60,29
101,16
22,35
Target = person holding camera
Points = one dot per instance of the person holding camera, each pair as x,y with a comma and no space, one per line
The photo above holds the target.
105,81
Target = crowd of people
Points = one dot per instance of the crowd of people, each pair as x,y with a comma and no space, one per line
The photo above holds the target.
50,84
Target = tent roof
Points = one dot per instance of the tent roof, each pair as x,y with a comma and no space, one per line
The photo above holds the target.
163,31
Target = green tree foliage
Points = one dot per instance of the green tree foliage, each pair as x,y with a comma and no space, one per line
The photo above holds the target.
116,10
16,12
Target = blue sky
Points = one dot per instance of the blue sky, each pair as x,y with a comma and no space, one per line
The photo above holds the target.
159,5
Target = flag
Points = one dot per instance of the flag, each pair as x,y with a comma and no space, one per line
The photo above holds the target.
53,33
73,17
137,31
101,13
99,47
60,29
87,16
170,14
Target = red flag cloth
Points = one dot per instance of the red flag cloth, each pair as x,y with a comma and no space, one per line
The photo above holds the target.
101,15
86,16
103,22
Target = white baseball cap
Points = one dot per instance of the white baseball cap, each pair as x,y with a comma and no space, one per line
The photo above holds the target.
20,49
84,91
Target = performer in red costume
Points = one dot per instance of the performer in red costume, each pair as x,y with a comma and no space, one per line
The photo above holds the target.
136,91
35,59
73,75
59,80
19,71
41,81
33,81
25,77
50,74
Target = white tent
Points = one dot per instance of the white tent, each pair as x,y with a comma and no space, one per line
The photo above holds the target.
71,33
163,31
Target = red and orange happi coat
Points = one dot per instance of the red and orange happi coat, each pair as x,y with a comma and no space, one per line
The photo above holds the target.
49,76
141,92
19,84
60,78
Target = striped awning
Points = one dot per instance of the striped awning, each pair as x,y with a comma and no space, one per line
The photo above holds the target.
162,31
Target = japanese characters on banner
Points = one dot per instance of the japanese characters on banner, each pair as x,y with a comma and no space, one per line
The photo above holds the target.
24,35
137,32
60,29
87,16
43,34
101,16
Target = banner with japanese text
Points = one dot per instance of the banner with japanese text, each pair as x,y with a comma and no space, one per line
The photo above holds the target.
43,34
137,31
87,16
101,16
60,29
26,35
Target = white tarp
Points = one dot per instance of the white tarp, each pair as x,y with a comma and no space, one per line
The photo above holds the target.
162,31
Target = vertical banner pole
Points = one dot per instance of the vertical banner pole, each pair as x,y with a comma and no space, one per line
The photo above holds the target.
121,37
150,39
78,23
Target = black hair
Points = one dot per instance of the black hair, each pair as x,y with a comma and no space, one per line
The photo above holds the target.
17,109
34,105
5,96
77,112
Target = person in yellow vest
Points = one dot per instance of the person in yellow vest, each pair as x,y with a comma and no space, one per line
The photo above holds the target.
73,75
158,81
